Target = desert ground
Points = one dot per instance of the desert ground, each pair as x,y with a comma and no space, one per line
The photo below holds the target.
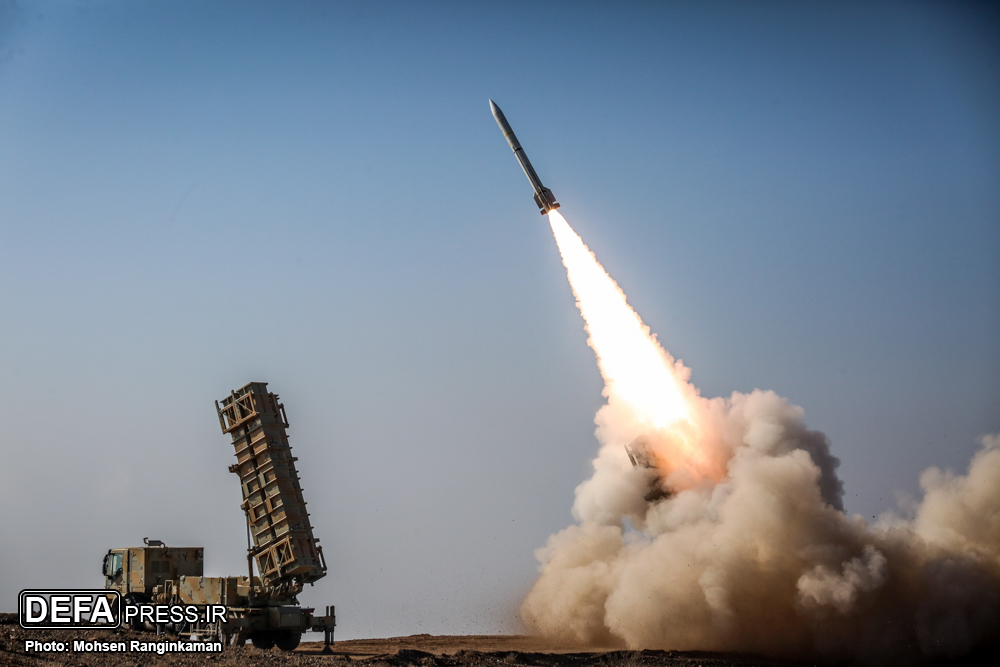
417,650
421,650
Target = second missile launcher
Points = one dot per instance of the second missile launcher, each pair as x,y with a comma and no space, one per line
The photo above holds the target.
642,456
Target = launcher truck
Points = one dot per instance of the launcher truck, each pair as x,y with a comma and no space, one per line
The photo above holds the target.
262,608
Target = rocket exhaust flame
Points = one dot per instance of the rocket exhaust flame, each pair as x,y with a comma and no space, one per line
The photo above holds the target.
634,366
738,538
640,378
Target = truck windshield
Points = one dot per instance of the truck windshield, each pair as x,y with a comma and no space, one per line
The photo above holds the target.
114,564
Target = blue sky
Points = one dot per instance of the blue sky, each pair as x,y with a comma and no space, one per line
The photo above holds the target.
802,197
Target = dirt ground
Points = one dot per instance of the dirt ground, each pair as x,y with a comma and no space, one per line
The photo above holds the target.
415,650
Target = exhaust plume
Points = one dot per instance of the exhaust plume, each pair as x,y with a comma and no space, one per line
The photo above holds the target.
718,524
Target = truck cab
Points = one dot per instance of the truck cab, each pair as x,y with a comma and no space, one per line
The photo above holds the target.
139,573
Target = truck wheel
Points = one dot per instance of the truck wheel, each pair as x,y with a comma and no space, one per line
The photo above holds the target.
262,640
235,639
287,640
131,599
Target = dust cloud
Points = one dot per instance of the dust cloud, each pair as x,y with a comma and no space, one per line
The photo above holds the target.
728,533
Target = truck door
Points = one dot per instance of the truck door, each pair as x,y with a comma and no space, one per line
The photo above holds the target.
113,570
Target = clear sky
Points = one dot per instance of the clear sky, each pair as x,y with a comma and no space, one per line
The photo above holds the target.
803,197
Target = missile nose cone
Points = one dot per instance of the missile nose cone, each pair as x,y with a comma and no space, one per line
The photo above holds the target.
493,107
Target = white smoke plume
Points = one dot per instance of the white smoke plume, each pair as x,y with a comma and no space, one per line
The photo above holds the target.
733,537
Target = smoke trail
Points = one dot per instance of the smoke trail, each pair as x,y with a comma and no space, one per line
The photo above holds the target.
738,539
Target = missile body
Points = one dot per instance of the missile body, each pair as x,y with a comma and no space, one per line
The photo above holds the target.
543,196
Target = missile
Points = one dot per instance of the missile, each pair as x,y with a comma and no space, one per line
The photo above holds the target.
543,196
